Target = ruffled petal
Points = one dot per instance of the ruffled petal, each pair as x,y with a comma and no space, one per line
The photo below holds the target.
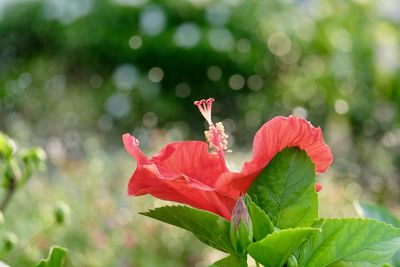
148,179
235,184
183,172
186,172
131,145
271,138
281,132
190,158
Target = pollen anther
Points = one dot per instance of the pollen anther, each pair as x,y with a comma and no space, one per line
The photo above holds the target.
215,136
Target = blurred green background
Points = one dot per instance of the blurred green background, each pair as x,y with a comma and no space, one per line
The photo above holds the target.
76,74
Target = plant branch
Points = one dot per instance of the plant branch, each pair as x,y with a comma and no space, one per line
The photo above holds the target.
10,192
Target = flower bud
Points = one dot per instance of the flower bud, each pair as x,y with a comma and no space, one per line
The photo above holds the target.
10,241
34,158
241,232
7,146
62,213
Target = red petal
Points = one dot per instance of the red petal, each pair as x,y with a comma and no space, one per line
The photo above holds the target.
183,172
148,180
271,138
191,159
281,132
132,147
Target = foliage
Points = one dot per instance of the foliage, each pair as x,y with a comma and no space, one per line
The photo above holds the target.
382,214
71,80
341,242
230,260
262,225
285,190
350,242
276,248
209,228
378,213
311,59
17,166
56,258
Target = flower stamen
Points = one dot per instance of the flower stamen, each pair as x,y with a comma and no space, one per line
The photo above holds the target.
215,136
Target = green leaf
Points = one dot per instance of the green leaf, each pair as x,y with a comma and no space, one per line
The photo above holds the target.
285,189
262,225
275,249
56,258
396,259
350,242
231,261
378,213
382,214
209,228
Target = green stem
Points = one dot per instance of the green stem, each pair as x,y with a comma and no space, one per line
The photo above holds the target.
10,191
243,261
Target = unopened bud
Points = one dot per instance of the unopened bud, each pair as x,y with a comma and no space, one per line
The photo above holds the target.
10,241
241,232
7,146
62,213
34,157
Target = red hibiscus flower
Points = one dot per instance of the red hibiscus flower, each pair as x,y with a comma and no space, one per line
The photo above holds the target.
186,172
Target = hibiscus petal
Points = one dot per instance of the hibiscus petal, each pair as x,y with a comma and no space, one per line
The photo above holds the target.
132,147
271,138
183,172
281,132
147,179
190,158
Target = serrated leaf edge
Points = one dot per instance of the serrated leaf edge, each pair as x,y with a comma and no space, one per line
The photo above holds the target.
146,213
324,220
358,219
314,231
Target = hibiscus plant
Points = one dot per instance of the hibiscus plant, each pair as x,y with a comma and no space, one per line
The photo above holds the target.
16,168
268,210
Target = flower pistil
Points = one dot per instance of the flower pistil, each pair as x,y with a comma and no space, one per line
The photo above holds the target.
216,136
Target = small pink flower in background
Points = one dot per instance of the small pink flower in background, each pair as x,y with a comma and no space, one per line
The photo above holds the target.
186,172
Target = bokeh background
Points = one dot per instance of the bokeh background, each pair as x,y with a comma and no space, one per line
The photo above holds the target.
76,74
